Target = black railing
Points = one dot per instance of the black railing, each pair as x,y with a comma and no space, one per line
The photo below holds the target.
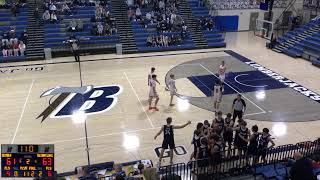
233,163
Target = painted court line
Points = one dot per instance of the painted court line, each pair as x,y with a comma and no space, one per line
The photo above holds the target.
22,112
134,91
102,135
262,111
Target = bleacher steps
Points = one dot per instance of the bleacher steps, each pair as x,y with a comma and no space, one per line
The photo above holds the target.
191,22
35,45
124,28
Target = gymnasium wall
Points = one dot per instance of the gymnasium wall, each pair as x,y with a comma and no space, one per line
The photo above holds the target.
244,16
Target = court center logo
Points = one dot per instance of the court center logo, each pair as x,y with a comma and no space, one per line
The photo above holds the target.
89,99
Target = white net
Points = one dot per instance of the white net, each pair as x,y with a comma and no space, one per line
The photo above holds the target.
264,28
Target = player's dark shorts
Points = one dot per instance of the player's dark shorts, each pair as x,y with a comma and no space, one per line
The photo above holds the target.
241,144
262,151
252,150
228,136
168,145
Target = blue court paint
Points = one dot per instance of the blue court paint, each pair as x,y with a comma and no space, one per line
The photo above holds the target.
247,81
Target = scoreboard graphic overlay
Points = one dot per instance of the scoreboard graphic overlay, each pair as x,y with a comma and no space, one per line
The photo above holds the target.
26,160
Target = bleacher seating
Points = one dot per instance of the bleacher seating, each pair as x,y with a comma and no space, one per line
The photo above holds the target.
7,20
302,42
141,34
214,37
55,34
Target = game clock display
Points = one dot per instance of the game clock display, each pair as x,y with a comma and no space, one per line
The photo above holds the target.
27,160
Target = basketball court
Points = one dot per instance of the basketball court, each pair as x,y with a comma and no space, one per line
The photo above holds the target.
123,130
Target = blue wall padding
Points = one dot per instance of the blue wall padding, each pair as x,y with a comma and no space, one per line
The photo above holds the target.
227,23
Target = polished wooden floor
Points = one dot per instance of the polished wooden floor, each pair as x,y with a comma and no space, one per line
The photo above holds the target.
126,132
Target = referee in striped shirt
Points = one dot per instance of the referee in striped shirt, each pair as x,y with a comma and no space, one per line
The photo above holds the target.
239,107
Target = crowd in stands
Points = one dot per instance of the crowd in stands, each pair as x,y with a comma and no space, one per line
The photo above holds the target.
206,23
12,44
164,40
12,5
103,22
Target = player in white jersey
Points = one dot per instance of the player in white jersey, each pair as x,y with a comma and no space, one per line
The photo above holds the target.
153,93
217,95
172,88
222,71
150,76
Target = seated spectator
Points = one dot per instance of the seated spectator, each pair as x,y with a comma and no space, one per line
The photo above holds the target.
10,50
100,29
107,29
53,17
302,168
22,48
52,8
149,41
94,29
118,172
130,3
4,48
14,10
15,47
65,9
5,39
114,29
46,16
79,25
72,25
138,14
130,14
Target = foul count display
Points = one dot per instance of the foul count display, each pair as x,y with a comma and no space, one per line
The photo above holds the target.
26,160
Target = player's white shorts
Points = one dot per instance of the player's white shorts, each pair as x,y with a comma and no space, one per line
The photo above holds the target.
217,98
222,77
153,94
173,92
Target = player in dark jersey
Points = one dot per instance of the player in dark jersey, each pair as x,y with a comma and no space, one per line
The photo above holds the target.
216,149
197,134
264,140
218,124
253,142
168,137
203,153
243,133
206,128
228,132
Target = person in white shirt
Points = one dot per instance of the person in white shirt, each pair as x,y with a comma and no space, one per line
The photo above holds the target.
222,73
172,88
217,95
22,48
153,93
150,76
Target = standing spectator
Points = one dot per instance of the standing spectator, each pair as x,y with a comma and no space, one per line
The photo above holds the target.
46,16
130,14
238,107
22,48
15,47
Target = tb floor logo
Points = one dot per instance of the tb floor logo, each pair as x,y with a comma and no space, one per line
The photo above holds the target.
90,99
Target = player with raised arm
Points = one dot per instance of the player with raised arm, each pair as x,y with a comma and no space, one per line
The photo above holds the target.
168,138
153,93
172,88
